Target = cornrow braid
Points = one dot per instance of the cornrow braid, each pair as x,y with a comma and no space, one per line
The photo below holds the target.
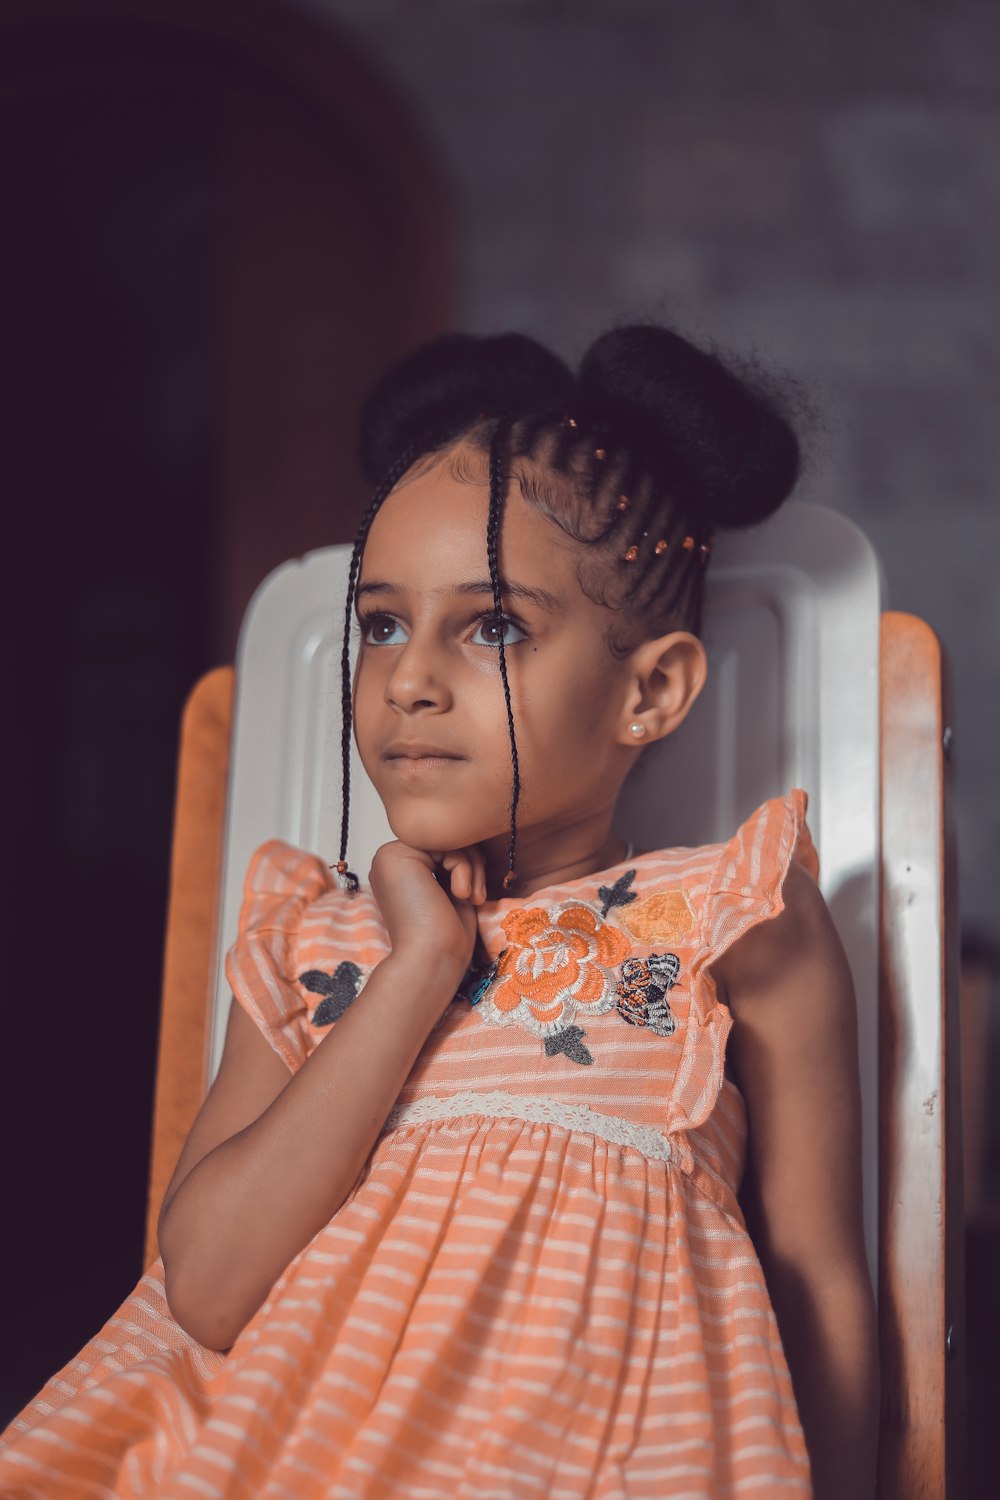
390,480
497,493
645,555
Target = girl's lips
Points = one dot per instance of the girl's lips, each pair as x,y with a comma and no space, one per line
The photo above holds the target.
410,762
418,752
405,764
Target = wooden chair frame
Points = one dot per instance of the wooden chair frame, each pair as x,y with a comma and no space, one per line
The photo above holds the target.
921,1292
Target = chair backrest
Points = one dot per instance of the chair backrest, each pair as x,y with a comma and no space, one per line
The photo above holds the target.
791,629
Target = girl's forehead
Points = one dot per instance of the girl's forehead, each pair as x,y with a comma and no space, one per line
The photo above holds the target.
433,528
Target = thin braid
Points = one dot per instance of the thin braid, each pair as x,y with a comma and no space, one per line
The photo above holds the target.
497,492
391,479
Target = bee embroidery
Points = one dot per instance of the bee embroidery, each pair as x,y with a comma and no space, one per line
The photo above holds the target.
642,991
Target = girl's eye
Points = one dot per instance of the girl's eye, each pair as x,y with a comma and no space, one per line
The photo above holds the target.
493,628
381,630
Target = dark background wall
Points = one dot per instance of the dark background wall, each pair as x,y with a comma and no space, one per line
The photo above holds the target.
816,182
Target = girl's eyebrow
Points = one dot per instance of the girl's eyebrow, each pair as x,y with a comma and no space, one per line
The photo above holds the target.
513,590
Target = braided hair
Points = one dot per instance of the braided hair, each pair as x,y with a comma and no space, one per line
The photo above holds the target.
653,445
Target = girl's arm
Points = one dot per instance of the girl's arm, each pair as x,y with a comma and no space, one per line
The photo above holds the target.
794,1052
271,1158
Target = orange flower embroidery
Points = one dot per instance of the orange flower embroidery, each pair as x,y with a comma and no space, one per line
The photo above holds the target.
663,917
556,963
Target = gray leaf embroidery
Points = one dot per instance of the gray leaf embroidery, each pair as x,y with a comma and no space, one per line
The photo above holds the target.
618,894
338,989
569,1041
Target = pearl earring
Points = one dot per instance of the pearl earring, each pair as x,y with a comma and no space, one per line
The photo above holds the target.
638,729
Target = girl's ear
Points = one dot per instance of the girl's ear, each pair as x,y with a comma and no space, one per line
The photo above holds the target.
666,676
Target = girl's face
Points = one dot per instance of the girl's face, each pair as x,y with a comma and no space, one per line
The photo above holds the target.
429,709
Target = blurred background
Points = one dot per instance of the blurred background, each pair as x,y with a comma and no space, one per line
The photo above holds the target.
222,218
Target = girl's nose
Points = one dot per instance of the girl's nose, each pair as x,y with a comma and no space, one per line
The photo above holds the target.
417,681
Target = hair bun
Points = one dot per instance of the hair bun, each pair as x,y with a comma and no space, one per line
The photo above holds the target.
445,386
719,440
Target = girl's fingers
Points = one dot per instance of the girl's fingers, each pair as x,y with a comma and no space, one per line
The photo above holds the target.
455,863
478,865
468,874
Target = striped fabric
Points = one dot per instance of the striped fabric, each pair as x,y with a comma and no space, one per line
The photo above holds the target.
541,1285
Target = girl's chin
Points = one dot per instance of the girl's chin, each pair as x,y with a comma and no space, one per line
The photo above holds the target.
427,831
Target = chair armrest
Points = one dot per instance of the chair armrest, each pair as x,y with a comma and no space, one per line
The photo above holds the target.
192,928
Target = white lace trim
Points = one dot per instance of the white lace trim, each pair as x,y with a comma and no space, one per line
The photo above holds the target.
535,1111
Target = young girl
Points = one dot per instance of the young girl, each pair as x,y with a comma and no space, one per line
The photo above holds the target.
459,1216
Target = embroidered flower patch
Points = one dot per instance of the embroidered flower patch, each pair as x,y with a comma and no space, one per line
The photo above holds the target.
642,991
558,966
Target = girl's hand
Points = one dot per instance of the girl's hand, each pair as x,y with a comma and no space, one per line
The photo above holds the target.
428,899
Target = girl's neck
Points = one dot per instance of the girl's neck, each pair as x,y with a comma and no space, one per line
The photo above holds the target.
547,858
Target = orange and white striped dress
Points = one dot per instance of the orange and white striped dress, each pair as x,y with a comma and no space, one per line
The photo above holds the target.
541,1285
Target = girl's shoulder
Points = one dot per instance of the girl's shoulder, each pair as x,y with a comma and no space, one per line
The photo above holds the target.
304,947
769,870
294,896
283,882
754,862
736,883
755,906
278,870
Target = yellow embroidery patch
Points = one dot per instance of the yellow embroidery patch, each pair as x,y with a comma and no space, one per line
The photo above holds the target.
663,917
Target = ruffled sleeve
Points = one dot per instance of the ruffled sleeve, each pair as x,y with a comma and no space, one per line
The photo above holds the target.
745,887
281,884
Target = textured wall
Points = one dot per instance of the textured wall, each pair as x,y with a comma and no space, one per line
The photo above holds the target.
816,180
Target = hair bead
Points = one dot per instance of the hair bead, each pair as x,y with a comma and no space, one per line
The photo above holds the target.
600,453
623,502
660,547
510,880
688,544
631,554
